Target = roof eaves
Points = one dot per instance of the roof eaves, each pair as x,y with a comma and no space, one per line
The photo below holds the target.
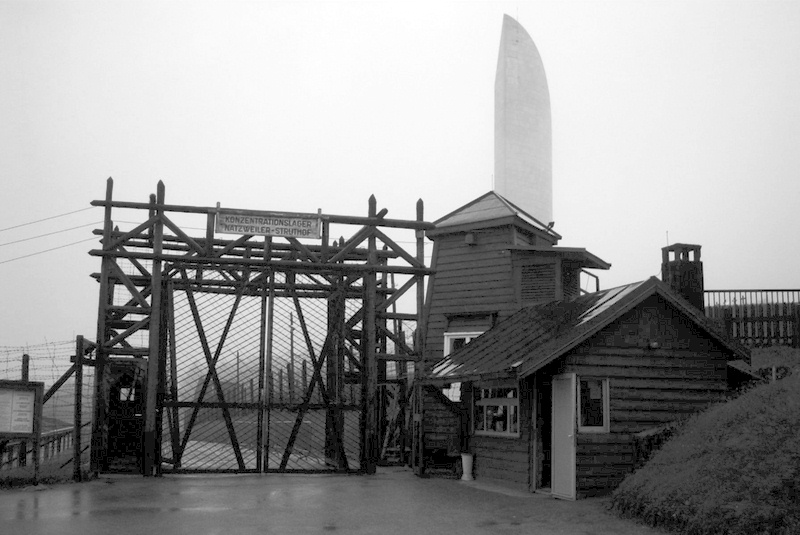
743,367
597,262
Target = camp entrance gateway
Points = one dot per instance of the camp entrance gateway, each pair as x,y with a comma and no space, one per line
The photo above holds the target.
260,352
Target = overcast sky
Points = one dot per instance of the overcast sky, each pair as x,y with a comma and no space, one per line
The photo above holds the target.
668,117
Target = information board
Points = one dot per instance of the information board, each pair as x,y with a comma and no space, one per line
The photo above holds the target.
276,224
20,408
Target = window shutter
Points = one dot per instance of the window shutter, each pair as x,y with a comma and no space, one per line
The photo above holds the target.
538,282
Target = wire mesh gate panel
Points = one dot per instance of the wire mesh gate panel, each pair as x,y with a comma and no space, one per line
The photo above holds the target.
260,353
253,382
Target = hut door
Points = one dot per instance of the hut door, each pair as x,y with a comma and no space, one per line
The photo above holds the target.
563,450
125,422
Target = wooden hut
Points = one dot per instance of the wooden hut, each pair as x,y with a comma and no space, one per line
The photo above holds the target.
555,385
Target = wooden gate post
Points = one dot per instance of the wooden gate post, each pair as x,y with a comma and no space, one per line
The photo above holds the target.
106,299
334,374
152,449
369,370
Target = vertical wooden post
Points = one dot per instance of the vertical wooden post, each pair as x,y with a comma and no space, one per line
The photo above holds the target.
417,426
76,441
152,449
25,376
334,375
727,322
26,367
383,430
334,372
369,370
326,232
211,219
100,422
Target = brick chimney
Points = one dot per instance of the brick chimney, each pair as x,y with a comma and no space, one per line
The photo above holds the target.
682,270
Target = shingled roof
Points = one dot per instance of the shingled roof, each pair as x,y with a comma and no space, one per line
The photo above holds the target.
537,335
489,208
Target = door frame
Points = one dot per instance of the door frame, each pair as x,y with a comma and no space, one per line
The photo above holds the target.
564,437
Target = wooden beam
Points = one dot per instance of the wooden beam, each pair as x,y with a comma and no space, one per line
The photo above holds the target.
395,357
137,326
129,285
58,384
293,264
399,250
185,238
352,220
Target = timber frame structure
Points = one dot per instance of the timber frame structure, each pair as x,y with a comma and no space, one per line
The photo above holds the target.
205,327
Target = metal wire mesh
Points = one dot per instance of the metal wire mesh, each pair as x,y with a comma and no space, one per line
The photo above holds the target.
233,381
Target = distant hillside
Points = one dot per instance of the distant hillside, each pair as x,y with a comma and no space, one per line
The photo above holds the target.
733,470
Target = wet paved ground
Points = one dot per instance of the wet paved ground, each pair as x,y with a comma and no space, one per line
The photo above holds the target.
393,501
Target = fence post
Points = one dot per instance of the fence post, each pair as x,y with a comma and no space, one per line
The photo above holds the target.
727,322
76,438
22,456
796,327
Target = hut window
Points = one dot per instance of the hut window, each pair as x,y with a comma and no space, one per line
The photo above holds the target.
593,414
496,411
454,342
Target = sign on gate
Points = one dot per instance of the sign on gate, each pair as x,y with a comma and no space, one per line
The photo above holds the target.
275,224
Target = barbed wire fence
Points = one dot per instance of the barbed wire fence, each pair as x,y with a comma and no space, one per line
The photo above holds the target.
48,363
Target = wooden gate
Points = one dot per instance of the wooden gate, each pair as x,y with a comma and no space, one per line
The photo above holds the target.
262,353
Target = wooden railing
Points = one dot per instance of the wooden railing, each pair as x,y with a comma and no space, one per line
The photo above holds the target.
757,317
53,445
